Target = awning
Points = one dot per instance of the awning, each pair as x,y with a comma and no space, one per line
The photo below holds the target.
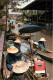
38,5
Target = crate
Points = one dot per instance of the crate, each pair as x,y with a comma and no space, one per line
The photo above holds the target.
39,67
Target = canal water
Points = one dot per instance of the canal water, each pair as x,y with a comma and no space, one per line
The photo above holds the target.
48,36
49,69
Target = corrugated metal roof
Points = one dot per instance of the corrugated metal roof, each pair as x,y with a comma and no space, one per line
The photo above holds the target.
37,5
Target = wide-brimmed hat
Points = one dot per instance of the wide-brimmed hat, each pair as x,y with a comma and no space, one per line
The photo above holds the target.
18,33
20,67
42,39
35,43
25,35
17,41
12,50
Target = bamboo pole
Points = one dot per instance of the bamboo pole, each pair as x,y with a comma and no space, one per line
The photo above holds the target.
31,56
37,16
45,13
6,16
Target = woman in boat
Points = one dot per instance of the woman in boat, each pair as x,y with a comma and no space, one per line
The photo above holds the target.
12,57
41,43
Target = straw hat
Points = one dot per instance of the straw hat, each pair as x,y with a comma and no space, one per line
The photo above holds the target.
18,33
12,50
35,43
42,39
20,67
17,41
25,35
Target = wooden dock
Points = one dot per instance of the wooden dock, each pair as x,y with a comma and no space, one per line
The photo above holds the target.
46,56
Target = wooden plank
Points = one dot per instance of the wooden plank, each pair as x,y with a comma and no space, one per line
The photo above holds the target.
46,54
6,72
29,78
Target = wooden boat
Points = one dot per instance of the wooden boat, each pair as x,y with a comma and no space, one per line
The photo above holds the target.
44,75
25,36
11,37
29,75
46,56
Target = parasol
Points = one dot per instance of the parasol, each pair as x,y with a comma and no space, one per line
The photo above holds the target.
29,29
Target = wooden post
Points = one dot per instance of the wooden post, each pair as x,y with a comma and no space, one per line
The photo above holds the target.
52,24
45,13
37,16
6,17
31,55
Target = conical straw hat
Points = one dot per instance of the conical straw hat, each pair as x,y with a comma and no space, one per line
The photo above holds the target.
18,33
20,67
42,39
12,50
35,43
17,41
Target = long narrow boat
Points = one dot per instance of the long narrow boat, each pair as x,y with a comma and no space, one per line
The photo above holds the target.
46,56
29,75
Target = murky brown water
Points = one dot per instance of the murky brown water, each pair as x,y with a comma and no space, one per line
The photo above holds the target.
49,68
48,43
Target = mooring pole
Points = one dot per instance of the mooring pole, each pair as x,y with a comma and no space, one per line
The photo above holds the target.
6,16
37,16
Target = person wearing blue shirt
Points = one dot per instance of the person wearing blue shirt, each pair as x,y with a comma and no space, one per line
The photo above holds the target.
41,43
12,58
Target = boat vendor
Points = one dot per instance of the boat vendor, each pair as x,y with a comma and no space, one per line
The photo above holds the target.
17,43
12,56
23,47
40,44
18,70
